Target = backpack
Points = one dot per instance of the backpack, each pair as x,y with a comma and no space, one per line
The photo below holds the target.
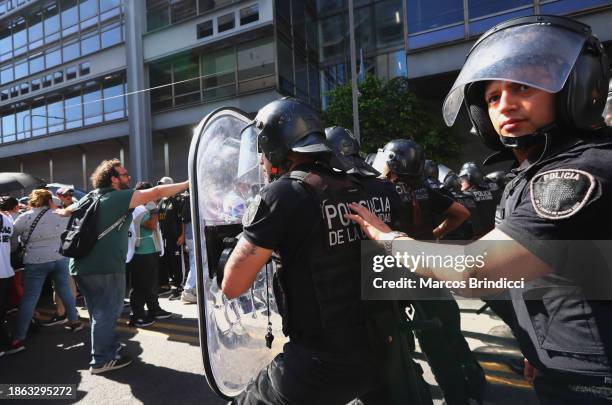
81,233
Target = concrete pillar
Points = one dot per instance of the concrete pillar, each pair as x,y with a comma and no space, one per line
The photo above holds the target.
139,106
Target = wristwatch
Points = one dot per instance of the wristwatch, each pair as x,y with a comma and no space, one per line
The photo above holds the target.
388,241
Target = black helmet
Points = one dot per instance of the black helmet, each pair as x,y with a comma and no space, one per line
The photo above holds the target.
404,158
342,141
430,170
497,177
471,172
451,182
551,53
288,125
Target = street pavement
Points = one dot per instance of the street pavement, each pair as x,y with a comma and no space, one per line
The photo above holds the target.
168,362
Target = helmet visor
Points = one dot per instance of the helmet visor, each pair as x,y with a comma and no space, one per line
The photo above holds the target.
249,169
537,55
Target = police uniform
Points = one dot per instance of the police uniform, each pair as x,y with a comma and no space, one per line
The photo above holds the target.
171,227
448,354
486,196
569,341
331,356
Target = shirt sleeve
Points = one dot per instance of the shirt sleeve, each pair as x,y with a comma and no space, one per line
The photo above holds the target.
439,202
269,217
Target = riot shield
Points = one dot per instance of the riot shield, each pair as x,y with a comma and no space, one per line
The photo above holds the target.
225,178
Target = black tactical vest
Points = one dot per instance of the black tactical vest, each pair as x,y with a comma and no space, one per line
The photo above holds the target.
331,258
557,330
419,217
486,199
465,231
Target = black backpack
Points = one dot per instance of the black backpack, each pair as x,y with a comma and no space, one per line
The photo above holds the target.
81,233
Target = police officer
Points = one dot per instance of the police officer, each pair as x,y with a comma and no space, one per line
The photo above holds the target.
431,215
545,110
452,186
343,143
333,355
498,178
170,269
486,196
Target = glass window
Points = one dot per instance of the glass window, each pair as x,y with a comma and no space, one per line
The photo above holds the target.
23,118
111,36
8,127
55,114
186,67
71,73
205,29
21,69
4,94
333,36
206,5
158,14
182,9
160,74
329,5
37,63
397,64
88,9
53,57
425,14
72,109
382,66
92,105
47,80
6,75
389,28
479,8
108,4
255,59
24,88
71,51
218,69
226,22
58,77
6,45
35,84
285,66
364,30
35,27
90,44
113,100
249,14
84,68
301,76
69,16
14,91
313,84
51,20
39,119
20,34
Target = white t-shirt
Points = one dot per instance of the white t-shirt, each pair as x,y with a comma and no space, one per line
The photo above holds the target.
6,230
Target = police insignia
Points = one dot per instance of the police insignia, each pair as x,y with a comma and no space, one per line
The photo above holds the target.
560,193
250,212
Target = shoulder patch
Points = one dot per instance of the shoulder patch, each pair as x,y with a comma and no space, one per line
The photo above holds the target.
561,193
251,211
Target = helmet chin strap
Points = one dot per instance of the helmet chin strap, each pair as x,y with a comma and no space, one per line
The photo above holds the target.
524,142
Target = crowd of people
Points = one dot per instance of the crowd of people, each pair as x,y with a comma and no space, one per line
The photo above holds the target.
30,259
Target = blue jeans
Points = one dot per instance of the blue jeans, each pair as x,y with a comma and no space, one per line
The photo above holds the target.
33,281
191,277
104,297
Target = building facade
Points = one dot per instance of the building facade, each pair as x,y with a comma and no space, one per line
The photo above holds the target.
86,80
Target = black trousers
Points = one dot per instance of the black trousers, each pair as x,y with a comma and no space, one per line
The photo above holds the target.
144,284
303,376
457,372
5,290
552,390
170,269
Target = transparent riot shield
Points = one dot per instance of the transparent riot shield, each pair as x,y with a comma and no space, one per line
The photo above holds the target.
225,177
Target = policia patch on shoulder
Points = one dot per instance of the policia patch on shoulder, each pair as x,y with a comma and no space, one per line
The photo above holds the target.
561,193
251,211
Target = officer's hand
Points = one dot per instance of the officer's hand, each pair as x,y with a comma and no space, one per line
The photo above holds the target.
529,372
369,223
180,241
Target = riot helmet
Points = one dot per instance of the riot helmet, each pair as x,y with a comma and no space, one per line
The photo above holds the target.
342,141
404,158
430,170
555,54
452,182
287,125
498,177
471,173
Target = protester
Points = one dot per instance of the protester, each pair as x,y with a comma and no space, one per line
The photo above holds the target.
6,271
